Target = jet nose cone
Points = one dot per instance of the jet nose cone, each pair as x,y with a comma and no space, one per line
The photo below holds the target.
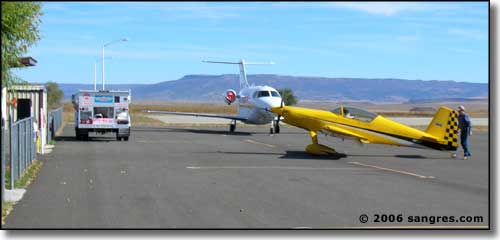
269,102
274,102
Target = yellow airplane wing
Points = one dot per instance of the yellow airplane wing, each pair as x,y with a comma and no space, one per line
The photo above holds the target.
335,130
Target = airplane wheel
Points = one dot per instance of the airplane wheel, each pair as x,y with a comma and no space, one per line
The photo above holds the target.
277,128
232,127
271,131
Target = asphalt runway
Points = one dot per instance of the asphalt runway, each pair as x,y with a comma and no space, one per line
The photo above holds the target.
207,178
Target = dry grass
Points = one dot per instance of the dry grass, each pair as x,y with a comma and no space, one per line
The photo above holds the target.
6,208
139,118
196,107
476,114
474,108
68,113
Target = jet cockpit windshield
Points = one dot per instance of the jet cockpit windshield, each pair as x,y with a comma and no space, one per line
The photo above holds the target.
355,113
260,94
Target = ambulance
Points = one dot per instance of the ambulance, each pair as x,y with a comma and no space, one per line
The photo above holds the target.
102,112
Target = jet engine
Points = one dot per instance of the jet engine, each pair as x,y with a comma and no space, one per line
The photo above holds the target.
230,96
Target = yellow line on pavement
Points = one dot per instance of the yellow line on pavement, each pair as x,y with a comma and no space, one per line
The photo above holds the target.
393,170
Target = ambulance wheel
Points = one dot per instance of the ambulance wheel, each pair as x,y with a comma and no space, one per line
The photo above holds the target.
125,138
77,134
118,138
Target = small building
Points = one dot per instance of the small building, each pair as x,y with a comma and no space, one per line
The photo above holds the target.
26,101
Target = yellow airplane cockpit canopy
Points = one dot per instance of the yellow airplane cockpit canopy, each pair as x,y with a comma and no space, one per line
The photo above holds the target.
355,113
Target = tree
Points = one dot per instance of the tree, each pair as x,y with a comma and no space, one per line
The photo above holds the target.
287,96
20,22
54,94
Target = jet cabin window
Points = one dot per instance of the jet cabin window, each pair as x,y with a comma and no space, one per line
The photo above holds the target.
275,94
356,113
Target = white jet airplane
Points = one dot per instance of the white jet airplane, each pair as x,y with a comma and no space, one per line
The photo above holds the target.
253,102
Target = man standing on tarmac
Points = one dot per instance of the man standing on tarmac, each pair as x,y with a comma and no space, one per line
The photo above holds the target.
464,125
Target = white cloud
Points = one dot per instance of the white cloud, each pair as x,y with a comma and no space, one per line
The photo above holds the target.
465,33
382,8
94,21
187,10
54,6
375,8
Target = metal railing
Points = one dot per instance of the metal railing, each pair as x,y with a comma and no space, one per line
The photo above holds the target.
22,148
55,118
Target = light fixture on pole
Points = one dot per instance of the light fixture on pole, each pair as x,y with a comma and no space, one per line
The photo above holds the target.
103,46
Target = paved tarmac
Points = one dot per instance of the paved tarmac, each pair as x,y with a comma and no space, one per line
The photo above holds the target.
207,178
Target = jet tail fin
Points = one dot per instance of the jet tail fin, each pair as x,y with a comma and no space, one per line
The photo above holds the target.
241,63
444,126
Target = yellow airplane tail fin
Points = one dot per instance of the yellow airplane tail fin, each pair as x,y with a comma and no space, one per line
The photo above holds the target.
444,126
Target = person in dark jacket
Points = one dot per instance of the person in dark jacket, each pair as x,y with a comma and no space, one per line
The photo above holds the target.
464,126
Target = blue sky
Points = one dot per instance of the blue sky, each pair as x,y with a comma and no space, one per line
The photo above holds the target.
410,40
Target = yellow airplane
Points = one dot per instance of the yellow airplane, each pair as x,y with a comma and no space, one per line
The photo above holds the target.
367,127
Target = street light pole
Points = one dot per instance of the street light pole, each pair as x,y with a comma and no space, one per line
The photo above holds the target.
95,76
103,46
102,69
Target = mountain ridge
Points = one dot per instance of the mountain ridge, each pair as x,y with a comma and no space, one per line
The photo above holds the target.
201,87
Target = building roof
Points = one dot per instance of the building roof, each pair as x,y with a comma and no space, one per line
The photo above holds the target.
28,61
29,88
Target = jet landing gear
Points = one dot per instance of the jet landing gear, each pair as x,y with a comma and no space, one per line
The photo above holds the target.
317,149
275,127
232,126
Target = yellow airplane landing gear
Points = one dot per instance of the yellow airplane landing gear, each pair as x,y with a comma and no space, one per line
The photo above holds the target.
318,149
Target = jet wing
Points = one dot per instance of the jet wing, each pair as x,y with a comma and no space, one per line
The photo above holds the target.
336,131
198,115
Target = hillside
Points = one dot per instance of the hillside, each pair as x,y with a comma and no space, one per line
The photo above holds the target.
211,87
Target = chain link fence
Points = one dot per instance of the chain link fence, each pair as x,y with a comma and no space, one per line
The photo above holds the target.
22,148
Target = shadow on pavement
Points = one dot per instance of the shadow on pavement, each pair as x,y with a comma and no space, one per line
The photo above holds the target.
90,139
407,156
298,155
198,131
302,155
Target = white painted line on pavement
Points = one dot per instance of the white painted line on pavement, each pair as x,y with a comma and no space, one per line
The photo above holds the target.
259,143
392,170
274,167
